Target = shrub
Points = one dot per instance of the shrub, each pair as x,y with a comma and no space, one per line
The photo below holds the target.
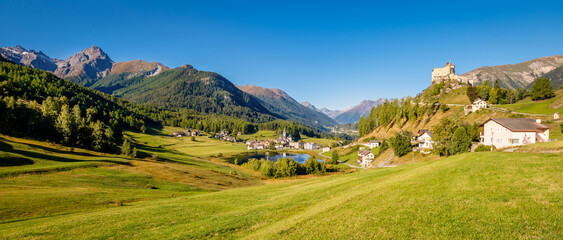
483,148
461,142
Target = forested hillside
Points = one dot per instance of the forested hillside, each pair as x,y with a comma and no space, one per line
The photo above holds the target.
37,104
205,92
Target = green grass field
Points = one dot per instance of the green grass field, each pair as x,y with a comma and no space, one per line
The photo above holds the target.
538,107
476,195
48,179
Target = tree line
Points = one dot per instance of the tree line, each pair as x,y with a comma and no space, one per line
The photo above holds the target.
286,167
37,104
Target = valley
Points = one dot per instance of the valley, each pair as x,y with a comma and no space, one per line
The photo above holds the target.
249,144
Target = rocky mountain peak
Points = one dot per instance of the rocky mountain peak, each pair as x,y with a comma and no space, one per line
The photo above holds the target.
32,58
87,65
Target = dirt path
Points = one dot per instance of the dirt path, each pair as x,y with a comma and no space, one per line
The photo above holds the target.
387,161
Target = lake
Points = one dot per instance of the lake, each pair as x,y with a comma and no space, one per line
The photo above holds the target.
244,157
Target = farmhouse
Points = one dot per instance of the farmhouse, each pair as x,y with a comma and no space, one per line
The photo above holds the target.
477,104
365,157
424,139
326,149
507,132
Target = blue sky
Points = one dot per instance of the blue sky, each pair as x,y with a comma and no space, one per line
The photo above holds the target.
332,54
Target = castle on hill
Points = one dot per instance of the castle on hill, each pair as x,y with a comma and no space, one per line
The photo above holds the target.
447,73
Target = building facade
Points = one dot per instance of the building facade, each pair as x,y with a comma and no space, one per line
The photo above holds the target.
508,132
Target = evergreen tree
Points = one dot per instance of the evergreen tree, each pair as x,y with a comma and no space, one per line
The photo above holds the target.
126,148
335,157
65,124
472,93
542,89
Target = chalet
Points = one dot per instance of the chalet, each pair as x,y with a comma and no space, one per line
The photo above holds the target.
508,132
310,146
476,105
424,139
365,157
374,143
326,149
179,134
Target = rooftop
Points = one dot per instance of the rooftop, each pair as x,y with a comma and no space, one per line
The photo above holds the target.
519,124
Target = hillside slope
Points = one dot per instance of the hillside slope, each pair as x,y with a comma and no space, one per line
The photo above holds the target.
276,100
556,77
186,87
474,195
516,75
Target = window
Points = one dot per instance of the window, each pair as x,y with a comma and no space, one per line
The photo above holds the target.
514,140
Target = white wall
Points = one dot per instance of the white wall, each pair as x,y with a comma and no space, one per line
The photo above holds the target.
501,136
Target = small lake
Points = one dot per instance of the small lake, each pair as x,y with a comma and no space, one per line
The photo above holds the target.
242,158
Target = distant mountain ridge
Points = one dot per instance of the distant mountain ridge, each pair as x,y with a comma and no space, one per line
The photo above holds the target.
516,75
278,101
351,114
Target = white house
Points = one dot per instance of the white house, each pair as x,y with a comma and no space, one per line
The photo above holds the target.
477,104
508,132
365,157
310,146
374,143
425,139
326,149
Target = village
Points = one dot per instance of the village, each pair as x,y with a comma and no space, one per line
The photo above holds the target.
498,133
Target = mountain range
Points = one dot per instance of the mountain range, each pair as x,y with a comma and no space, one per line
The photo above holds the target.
157,85
185,87
349,115
278,101
517,75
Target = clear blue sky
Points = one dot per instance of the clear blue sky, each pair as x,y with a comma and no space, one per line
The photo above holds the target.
332,54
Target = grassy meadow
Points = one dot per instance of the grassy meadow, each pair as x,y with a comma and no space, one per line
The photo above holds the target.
549,106
474,195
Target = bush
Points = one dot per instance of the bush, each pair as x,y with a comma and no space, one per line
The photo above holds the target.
461,142
312,166
483,148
